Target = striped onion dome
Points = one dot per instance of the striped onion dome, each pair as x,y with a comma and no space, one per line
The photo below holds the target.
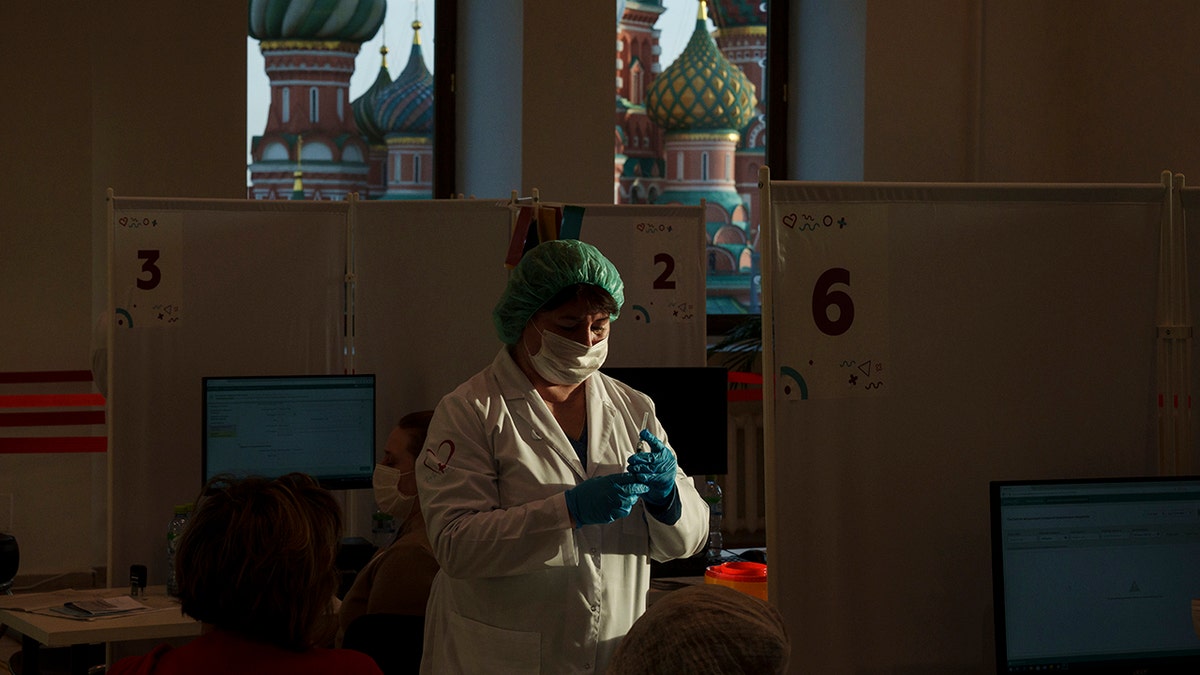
365,106
701,90
336,20
406,105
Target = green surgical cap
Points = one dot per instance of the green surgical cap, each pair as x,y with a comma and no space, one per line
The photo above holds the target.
545,270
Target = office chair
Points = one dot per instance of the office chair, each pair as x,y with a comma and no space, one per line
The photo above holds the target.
394,641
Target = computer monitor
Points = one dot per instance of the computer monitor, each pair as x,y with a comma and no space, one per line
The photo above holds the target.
321,425
691,403
1096,575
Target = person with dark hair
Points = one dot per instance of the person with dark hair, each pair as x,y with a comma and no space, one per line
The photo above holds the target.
256,566
540,510
383,612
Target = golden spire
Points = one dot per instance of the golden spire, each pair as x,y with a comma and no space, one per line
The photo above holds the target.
703,16
383,52
297,185
416,24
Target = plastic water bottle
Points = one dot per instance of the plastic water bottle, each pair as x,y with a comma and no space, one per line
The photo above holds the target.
383,529
174,530
711,492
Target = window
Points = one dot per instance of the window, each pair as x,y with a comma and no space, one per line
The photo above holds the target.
694,159
316,151
275,152
340,78
637,89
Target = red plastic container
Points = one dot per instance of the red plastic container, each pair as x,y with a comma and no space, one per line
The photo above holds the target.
747,577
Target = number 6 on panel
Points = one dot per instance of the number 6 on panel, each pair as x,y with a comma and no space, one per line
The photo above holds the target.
823,298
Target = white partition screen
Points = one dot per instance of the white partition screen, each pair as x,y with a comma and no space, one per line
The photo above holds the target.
659,251
197,288
428,274
1189,198
926,340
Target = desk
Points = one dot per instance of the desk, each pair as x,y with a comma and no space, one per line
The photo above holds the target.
163,620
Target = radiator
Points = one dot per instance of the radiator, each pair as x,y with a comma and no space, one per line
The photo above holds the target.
744,485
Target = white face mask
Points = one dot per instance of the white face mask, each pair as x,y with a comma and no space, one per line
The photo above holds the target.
565,361
387,492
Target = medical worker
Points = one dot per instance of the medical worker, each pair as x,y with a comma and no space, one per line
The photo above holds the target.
541,511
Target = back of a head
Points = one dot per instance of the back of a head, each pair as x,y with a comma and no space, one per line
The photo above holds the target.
705,629
417,422
257,559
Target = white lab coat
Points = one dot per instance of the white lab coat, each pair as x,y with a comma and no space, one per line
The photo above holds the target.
520,589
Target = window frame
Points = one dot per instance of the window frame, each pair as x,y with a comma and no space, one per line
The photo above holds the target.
445,118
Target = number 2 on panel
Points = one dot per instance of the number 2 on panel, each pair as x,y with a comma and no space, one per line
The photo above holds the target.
823,298
149,258
664,280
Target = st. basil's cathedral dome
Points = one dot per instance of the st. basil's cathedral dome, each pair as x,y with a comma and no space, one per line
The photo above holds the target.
406,105
336,20
701,90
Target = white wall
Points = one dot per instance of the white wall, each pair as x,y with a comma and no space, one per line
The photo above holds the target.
114,95
995,90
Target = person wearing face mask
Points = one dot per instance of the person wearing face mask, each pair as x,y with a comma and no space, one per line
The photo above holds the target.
541,511
396,581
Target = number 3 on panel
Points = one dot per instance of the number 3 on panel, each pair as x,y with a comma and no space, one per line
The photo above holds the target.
824,298
149,258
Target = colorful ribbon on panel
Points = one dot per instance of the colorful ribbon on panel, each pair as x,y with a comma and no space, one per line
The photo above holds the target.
51,411
536,223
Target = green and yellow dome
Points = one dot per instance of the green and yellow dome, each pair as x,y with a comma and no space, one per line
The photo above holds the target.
701,90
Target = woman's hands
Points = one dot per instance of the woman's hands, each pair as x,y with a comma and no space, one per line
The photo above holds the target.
656,469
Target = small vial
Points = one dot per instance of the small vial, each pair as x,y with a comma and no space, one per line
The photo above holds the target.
642,446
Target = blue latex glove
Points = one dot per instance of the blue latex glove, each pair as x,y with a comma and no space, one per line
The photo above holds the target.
603,499
656,469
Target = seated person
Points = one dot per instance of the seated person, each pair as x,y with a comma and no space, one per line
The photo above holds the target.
705,629
397,579
256,567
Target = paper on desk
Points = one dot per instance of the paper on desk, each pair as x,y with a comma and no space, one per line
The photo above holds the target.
73,604
121,604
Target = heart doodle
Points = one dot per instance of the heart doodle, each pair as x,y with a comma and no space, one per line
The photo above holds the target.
641,227
124,221
790,220
434,461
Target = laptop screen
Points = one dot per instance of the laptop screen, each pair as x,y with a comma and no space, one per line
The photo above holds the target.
1096,575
